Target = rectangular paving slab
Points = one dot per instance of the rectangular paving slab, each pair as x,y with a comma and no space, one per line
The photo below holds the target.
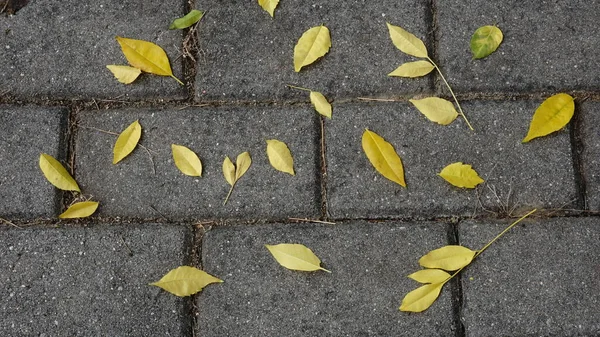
547,45
151,188
59,49
247,55
369,263
91,281
536,174
27,132
589,133
540,279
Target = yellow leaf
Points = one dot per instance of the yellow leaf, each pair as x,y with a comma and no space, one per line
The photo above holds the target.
430,276
320,103
146,56
461,175
124,74
56,174
313,44
552,115
186,160
234,173
184,281
268,5
280,156
383,157
436,109
413,69
485,41
242,164
229,171
407,42
295,257
127,141
421,298
80,210
448,258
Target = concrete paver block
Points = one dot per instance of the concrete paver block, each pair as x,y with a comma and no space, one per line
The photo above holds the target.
590,153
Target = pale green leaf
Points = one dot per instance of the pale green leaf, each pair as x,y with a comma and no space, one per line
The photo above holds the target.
127,141
229,171
269,5
421,298
413,69
280,156
321,104
185,281
186,160
407,42
56,174
80,210
448,258
430,276
189,19
552,115
124,74
436,109
312,45
295,257
461,175
485,41
146,56
383,157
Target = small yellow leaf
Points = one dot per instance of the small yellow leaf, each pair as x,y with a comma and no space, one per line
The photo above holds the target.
80,210
383,157
146,56
184,281
413,69
312,45
268,5
552,115
407,42
124,74
242,164
485,41
436,109
186,160
421,298
56,174
229,171
430,276
321,104
127,141
295,257
461,175
280,156
448,258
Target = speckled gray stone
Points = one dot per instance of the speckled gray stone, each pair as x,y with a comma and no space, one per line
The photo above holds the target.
590,158
369,263
547,45
132,189
91,281
247,55
26,132
536,174
59,49
540,279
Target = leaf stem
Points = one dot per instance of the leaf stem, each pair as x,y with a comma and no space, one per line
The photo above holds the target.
176,79
452,92
299,88
228,194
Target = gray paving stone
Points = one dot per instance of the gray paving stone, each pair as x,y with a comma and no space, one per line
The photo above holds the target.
27,132
247,55
131,189
91,281
541,279
368,262
537,174
547,45
59,49
590,158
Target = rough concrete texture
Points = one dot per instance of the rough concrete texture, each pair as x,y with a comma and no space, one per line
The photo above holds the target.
590,158
540,279
369,263
536,174
132,189
60,49
27,132
547,45
91,282
247,55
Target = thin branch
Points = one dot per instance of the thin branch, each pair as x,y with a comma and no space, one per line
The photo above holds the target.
312,220
378,99
10,223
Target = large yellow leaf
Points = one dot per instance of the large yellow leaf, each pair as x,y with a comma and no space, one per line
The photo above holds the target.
146,56
124,74
320,103
448,258
383,157
80,210
268,5
296,257
461,175
186,160
312,45
421,298
229,171
485,41
552,115
56,174
280,156
242,163
407,42
184,281
430,276
127,141
436,109
413,69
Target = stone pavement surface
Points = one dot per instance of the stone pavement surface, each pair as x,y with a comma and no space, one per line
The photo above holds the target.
90,277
